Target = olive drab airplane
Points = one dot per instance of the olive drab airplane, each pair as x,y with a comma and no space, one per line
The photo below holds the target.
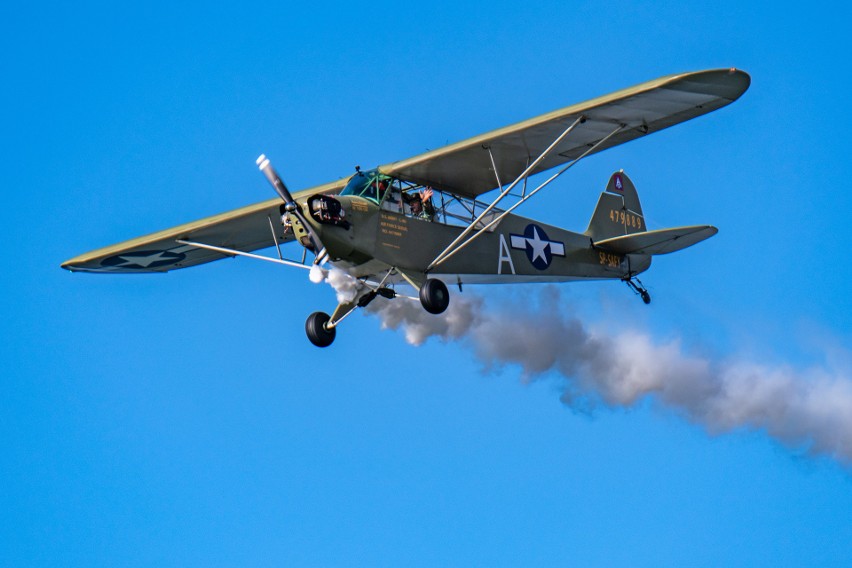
420,222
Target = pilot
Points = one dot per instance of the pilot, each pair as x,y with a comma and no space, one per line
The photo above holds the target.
391,197
375,190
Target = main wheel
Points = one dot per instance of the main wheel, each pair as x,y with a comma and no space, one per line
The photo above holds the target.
434,296
646,297
316,330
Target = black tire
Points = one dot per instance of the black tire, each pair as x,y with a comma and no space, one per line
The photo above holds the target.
434,296
317,333
646,297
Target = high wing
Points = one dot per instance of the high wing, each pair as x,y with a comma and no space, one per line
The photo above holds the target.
245,229
465,169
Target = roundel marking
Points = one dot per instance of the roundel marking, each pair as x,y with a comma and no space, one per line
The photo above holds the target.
143,259
539,248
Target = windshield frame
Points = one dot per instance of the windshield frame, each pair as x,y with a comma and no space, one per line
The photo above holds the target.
366,185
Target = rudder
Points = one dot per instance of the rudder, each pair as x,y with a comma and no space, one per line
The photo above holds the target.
618,211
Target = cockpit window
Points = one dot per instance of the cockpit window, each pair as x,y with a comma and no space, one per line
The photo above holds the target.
419,201
370,185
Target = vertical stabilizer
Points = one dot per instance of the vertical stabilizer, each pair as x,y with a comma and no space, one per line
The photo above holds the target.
618,211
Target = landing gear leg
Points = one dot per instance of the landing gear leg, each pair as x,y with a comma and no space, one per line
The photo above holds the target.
321,328
636,285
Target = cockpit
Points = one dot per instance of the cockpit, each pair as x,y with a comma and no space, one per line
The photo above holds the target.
392,194
415,200
369,185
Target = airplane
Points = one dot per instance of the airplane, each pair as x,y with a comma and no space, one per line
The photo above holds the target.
420,221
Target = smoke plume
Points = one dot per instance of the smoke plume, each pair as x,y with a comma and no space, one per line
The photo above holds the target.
809,409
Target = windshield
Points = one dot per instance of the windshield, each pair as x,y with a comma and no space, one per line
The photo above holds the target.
369,185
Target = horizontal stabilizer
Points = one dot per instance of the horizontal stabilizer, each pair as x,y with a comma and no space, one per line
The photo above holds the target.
662,241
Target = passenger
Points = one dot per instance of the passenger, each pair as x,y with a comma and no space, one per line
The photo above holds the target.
420,204
428,208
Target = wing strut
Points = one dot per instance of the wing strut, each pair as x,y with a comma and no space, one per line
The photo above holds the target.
233,252
274,238
504,193
454,247
494,167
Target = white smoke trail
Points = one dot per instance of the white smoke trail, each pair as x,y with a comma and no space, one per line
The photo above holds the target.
808,409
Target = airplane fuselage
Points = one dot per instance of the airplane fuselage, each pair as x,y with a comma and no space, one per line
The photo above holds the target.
516,249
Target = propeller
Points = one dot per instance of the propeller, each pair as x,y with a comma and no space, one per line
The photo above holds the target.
290,205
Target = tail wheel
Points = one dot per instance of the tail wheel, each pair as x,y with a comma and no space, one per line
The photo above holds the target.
316,330
434,296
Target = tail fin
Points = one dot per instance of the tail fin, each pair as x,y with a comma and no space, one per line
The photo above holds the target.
618,211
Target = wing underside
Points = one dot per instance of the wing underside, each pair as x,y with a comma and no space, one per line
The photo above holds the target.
245,229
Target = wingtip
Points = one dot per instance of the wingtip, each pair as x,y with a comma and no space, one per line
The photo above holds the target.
728,82
744,77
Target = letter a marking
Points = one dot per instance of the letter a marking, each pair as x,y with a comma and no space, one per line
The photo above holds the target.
505,256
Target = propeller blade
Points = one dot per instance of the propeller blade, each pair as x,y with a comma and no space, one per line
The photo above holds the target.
290,205
274,179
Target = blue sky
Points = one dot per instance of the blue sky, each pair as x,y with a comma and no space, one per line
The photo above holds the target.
185,419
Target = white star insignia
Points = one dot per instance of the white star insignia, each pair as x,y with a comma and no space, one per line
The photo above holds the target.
538,246
143,261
